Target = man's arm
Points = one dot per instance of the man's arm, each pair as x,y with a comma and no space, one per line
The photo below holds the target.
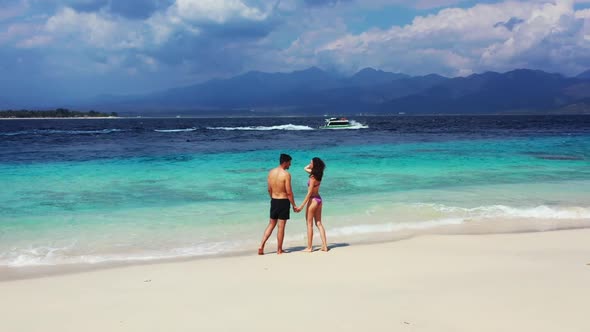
269,186
289,190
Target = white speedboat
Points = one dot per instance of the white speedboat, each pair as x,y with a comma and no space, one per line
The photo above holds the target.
336,123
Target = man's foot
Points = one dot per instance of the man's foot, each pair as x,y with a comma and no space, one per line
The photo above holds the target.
260,251
308,250
325,248
280,251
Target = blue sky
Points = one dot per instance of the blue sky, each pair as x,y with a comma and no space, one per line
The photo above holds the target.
54,50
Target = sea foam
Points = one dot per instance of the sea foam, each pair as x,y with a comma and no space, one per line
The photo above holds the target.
55,256
175,130
264,128
66,132
509,212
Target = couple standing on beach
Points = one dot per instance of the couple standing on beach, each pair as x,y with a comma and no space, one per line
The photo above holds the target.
281,195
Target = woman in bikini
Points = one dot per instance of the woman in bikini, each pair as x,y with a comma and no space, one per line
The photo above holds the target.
314,202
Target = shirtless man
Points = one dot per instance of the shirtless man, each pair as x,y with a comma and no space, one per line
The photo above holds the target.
281,200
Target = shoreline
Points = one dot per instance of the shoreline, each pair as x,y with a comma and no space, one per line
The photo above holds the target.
492,282
8,274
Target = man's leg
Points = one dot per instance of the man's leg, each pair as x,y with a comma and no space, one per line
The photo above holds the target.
267,232
281,236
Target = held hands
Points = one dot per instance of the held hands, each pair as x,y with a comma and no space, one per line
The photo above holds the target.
296,209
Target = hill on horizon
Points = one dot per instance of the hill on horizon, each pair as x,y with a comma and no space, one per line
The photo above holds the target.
315,91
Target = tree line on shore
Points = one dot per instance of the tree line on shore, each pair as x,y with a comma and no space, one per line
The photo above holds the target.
57,113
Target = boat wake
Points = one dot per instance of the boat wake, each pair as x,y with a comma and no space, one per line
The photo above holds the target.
264,128
182,130
62,132
356,125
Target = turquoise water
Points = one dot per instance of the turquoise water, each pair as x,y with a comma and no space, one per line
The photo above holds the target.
208,203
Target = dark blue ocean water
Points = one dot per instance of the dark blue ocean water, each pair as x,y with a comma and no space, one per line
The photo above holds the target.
77,140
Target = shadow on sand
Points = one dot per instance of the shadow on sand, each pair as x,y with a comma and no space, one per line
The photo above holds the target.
316,248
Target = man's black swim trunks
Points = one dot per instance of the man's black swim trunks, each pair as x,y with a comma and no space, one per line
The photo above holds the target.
280,208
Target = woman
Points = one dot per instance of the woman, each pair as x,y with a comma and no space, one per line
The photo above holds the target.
314,202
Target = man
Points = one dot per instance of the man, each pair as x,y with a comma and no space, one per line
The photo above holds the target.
281,200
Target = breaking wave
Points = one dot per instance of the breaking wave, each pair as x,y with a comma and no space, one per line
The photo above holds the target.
175,130
67,132
264,128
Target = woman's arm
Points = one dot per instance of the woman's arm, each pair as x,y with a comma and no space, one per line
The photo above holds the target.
309,191
307,168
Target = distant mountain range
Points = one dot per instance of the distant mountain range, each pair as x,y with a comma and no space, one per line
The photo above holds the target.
370,91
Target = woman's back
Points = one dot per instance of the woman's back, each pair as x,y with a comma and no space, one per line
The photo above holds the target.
315,186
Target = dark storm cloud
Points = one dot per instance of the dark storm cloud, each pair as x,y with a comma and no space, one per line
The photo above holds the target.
22,77
129,46
131,9
201,53
215,44
86,5
513,22
138,9
239,30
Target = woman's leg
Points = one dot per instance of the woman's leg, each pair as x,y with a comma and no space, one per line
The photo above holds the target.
318,223
309,214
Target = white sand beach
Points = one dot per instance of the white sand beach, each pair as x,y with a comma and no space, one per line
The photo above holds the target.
505,282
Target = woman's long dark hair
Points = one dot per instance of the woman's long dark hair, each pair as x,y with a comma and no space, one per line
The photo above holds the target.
318,168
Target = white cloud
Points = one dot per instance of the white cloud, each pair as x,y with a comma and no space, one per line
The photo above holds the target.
93,29
35,41
287,5
217,11
192,40
418,4
14,31
102,42
309,30
551,34
585,16
539,24
470,40
149,62
161,28
195,16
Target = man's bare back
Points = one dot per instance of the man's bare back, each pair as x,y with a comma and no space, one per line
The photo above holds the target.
279,183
